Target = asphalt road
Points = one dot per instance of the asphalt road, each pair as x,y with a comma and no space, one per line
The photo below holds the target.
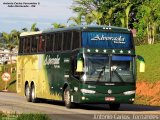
13,103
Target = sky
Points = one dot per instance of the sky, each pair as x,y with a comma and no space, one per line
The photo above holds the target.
44,13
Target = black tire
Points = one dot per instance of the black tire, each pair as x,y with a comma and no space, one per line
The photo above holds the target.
28,93
114,106
67,98
33,94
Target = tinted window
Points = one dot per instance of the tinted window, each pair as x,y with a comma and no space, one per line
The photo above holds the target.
49,43
67,40
27,43
53,39
34,44
21,45
76,40
58,41
41,44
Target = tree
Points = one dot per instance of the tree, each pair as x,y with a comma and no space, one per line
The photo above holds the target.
143,15
83,6
87,10
94,16
125,19
10,40
148,16
105,12
34,28
77,20
57,25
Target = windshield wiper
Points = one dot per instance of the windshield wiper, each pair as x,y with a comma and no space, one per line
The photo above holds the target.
117,74
113,70
100,73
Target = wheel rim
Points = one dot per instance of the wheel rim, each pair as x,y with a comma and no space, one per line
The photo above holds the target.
67,97
33,93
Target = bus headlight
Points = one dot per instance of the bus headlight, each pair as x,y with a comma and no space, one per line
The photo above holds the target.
84,77
129,92
88,91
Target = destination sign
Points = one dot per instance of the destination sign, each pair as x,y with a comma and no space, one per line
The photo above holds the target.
108,40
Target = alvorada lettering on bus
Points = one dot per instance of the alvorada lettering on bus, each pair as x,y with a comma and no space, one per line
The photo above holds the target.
52,61
119,39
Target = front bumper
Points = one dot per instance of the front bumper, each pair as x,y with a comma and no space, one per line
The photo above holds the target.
101,98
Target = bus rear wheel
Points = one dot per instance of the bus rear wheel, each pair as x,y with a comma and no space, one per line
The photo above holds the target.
114,106
33,94
67,98
28,93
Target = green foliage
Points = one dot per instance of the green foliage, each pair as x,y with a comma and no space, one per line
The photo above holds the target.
33,117
23,117
105,12
95,16
143,15
151,57
77,20
10,40
148,16
33,27
57,25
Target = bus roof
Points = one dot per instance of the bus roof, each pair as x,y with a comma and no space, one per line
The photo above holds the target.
79,28
30,33
89,28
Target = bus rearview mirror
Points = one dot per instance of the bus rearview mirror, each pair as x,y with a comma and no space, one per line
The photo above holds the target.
142,63
142,67
79,66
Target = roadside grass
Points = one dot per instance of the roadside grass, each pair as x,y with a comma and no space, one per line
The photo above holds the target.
31,116
151,54
151,76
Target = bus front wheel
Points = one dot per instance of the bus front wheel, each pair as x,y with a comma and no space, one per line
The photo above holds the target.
28,93
67,98
114,106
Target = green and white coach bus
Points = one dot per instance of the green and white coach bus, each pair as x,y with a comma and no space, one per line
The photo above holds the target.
83,64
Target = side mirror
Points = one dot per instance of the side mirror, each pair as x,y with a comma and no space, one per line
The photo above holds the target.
79,65
142,67
142,63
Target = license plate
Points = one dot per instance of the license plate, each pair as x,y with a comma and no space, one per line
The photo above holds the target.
109,98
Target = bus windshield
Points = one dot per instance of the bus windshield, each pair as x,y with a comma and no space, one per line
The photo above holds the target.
102,68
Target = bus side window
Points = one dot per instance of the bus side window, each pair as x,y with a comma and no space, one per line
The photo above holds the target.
67,40
49,43
41,44
21,44
76,40
56,39
34,45
27,45
58,42
53,39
